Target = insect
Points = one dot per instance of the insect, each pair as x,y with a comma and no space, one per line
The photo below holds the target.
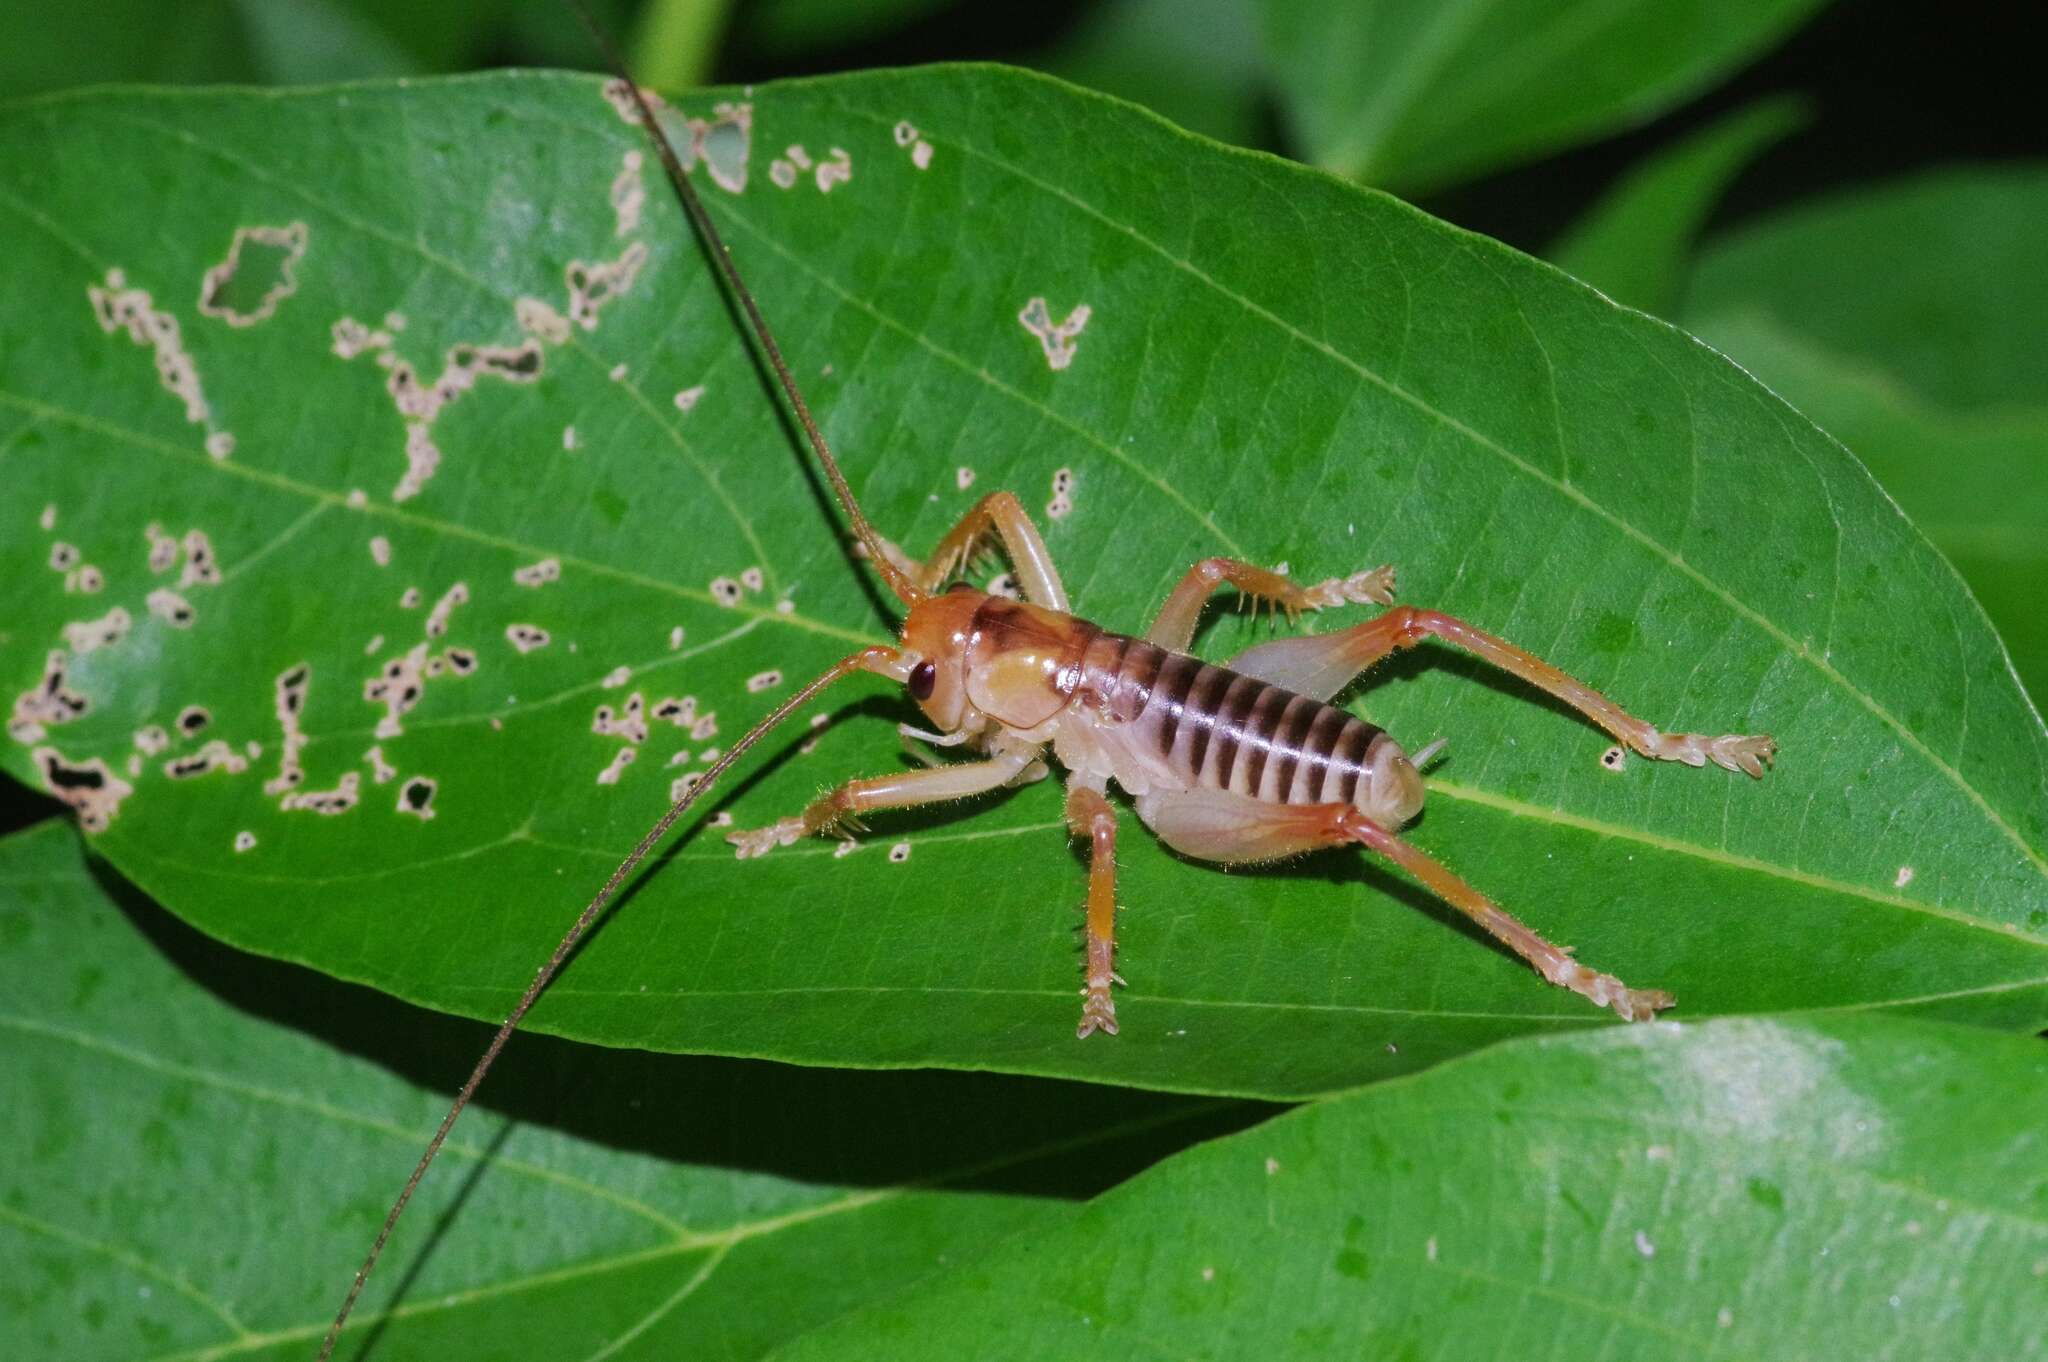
1245,762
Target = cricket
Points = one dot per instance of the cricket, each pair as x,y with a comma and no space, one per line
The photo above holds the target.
1244,762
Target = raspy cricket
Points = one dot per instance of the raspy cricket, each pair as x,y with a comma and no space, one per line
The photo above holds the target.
1242,763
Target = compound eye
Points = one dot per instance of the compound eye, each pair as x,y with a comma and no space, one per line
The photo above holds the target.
923,677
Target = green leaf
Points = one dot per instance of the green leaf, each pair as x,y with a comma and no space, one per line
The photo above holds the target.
202,1144
1195,62
1635,245
220,40
1277,366
1848,1187
1415,94
1939,280
1932,379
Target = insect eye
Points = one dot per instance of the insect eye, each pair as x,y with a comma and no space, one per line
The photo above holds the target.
923,677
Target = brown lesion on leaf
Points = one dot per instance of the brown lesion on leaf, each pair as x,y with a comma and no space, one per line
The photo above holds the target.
538,574
723,142
343,797
628,722
437,618
171,608
420,403
216,755
201,568
540,319
1055,338
416,797
592,286
836,169
83,636
119,308
246,288
288,695
88,787
163,549
629,196
380,769
192,720
48,702
621,759
245,841
1062,504
398,688
527,637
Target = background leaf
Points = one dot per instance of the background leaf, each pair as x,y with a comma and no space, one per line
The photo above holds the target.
226,40
192,1176
1636,244
1841,1187
1410,94
1277,365
1933,379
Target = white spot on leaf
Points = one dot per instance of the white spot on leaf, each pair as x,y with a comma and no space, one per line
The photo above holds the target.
106,631
274,250
1055,338
538,574
171,608
621,759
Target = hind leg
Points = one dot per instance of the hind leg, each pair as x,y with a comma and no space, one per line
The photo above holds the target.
1321,666
1214,825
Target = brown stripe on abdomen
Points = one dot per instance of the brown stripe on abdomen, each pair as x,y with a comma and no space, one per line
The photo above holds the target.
1222,730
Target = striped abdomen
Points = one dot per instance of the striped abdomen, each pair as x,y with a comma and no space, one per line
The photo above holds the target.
1220,730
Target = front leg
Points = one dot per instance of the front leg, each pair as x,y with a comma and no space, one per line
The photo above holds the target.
1090,815
840,809
1174,630
1000,514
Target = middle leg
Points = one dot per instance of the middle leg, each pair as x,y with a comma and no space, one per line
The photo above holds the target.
1174,629
1091,815
1214,825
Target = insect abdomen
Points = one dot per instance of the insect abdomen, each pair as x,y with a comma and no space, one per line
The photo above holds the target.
1221,730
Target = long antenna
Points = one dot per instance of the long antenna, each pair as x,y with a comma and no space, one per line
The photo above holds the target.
907,591
854,662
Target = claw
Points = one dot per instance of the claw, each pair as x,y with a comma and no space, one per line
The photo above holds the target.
1374,586
1749,755
1097,1014
751,843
